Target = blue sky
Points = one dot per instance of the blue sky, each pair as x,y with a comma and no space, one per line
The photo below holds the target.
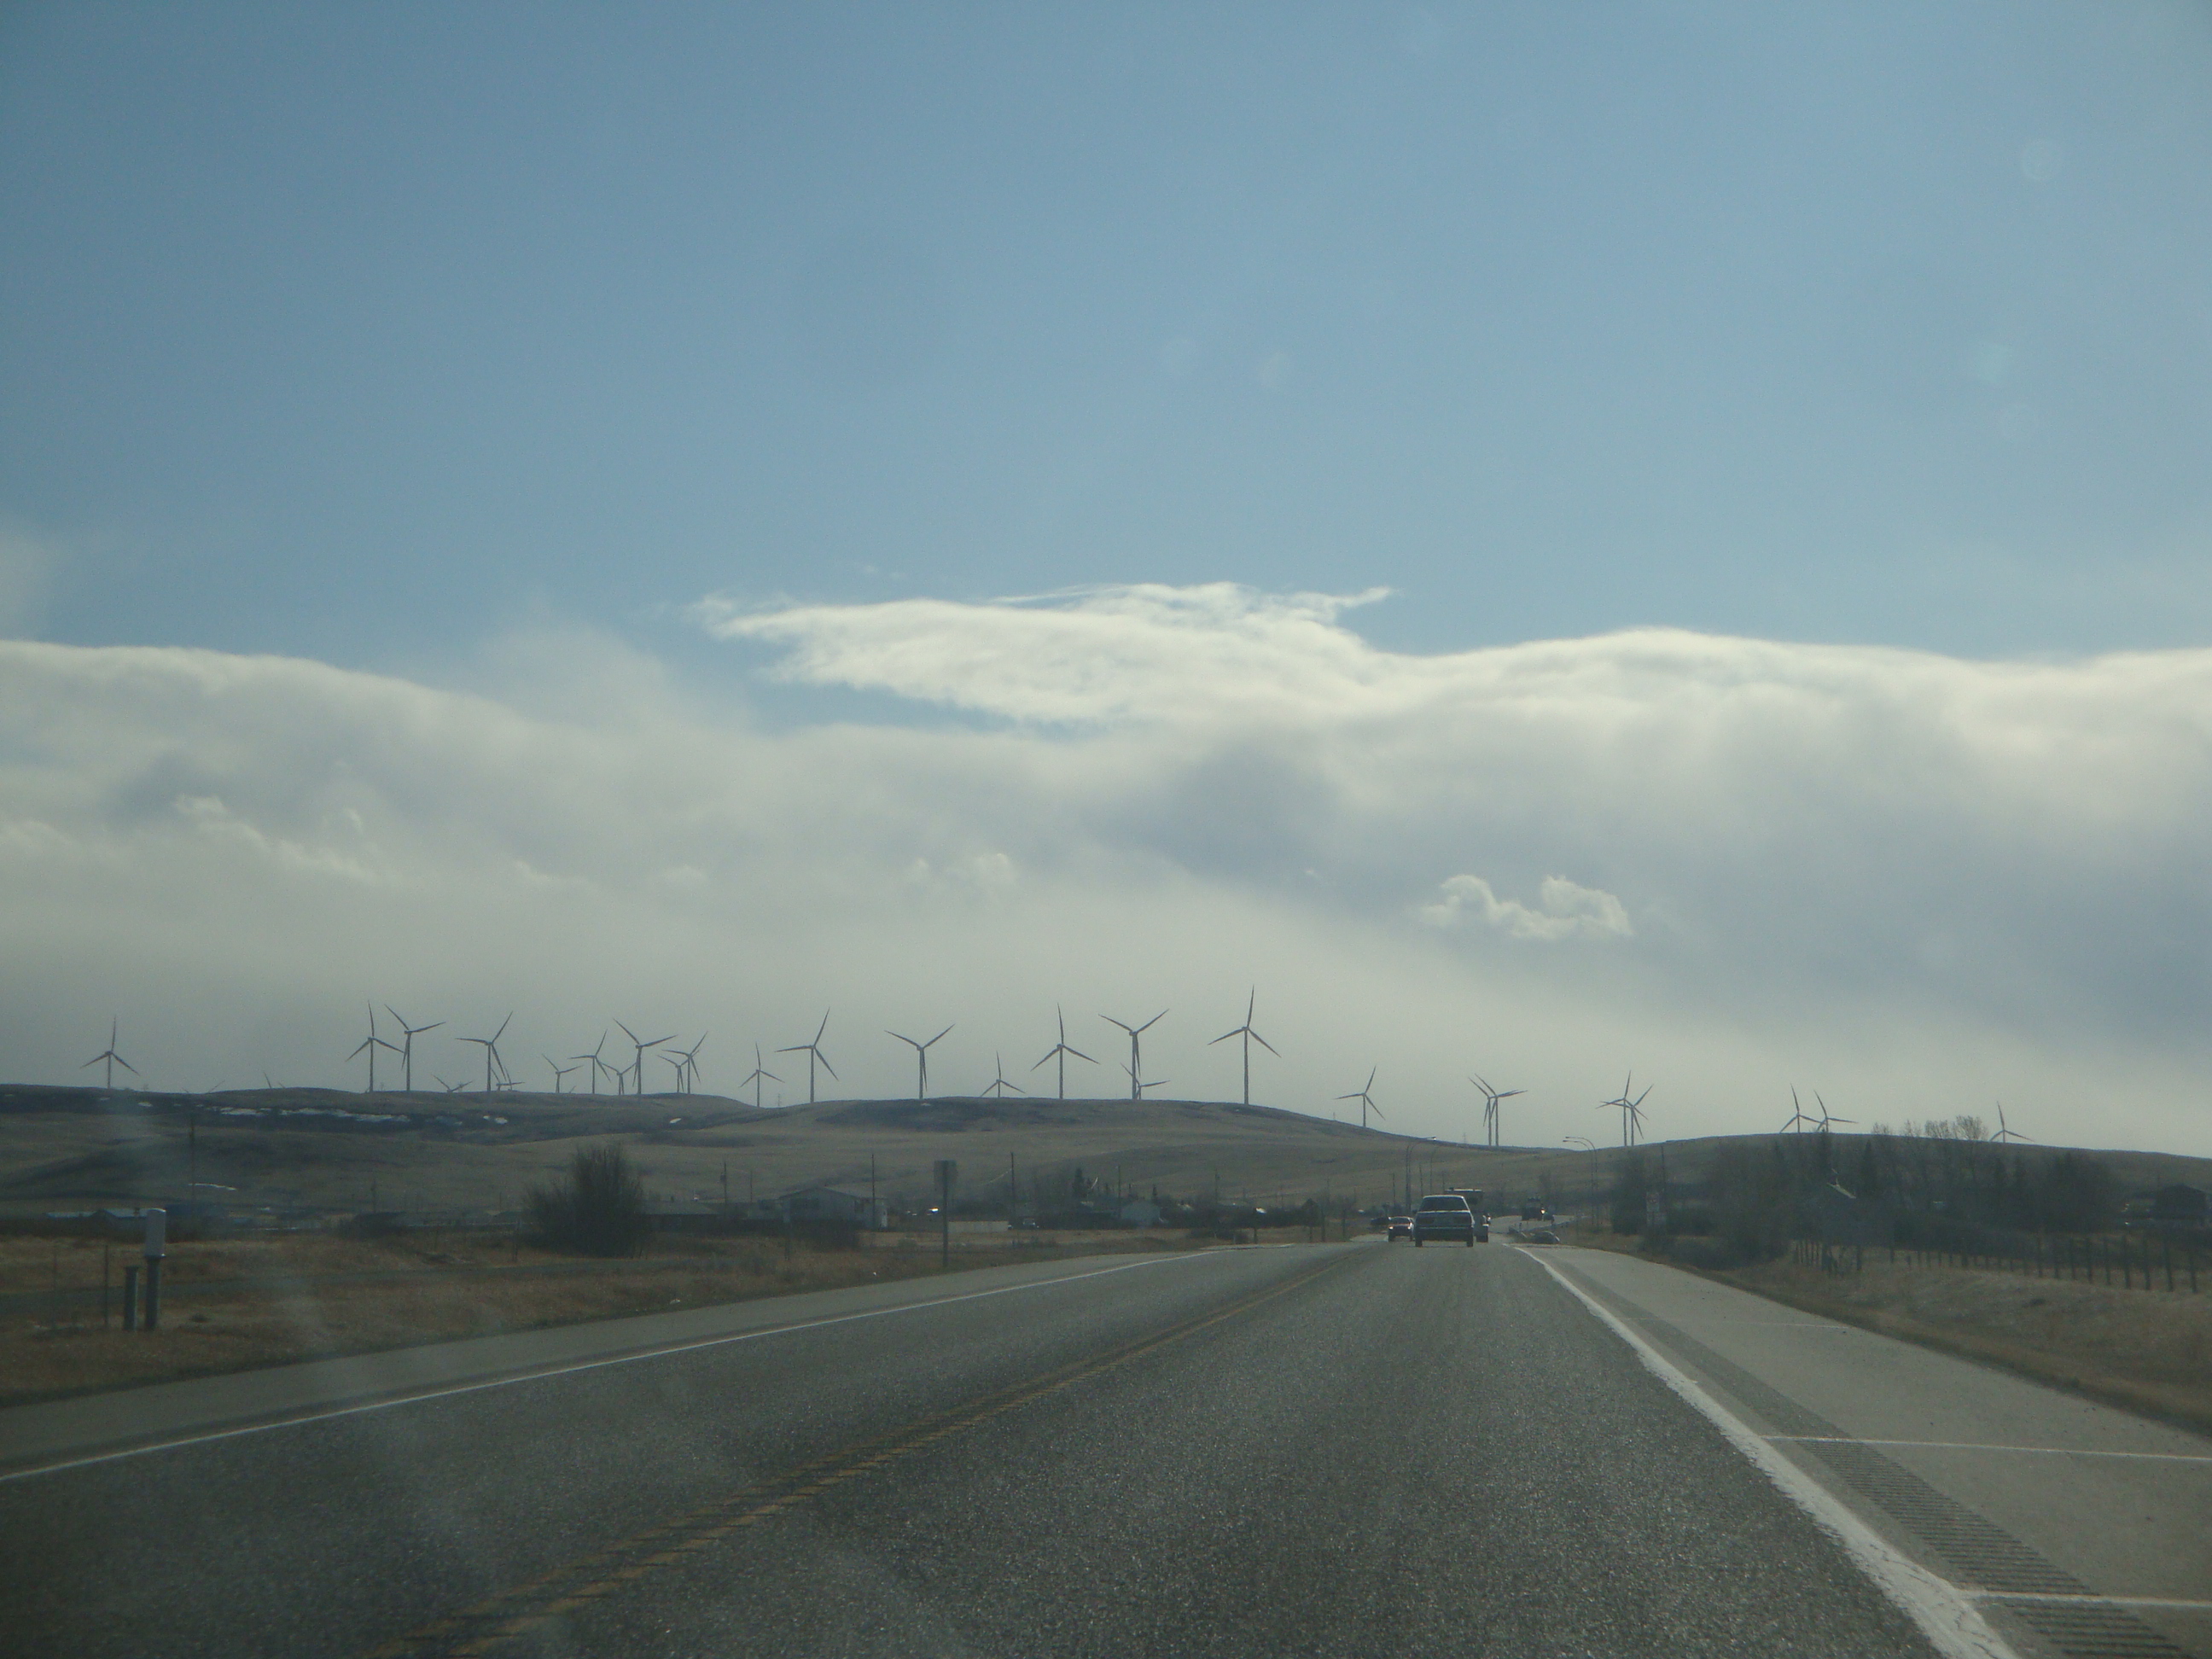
511,508
363,333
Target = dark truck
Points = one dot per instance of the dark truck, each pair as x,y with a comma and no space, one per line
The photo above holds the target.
1448,1218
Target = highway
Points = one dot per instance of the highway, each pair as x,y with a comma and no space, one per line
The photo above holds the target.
1310,1450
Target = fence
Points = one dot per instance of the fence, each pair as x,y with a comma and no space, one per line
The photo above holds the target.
2127,1262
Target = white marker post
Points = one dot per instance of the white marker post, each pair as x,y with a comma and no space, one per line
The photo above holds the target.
157,1247
946,1169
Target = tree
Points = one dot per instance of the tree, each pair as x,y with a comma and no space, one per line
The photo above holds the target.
599,1210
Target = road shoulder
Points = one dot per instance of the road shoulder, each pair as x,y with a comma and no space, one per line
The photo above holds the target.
2080,1529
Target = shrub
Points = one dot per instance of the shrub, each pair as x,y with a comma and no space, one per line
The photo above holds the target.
599,1210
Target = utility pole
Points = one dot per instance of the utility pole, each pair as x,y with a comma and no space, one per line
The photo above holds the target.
1013,1193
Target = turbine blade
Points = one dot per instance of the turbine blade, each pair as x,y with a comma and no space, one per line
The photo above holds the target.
1269,1045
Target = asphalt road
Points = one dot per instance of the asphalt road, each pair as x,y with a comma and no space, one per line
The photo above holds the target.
1309,1450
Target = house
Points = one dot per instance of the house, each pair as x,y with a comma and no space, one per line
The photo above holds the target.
838,1205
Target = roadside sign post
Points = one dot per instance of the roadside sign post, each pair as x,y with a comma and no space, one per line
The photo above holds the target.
131,1298
946,1169
157,1247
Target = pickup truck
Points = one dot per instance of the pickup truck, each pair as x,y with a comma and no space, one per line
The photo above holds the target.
1446,1217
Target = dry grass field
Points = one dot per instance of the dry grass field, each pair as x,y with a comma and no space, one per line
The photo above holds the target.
235,1304
324,1150
2145,1350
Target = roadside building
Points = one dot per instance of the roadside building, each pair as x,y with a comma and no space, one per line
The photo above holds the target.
838,1205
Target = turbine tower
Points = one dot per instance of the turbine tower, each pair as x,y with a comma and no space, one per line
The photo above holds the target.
921,1060
1826,1119
1250,1038
687,1070
1062,1051
1631,1111
492,1064
1364,1096
109,1054
1799,1117
2005,1131
759,1072
1136,1065
559,1072
369,1046
407,1035
593,1060
998,1085
637,1065
1137,1088
813,1052
1493,1120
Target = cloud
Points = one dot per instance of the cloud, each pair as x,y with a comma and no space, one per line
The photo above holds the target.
1922,881
1569,911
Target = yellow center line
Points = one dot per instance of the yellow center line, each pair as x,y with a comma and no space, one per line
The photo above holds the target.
501,1617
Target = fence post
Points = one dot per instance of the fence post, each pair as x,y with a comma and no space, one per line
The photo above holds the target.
131,1298
2166,1252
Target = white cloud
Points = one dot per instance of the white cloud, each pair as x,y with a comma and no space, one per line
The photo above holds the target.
1570,911
1921,880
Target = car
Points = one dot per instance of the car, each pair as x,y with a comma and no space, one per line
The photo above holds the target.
1401,1226
1447,1218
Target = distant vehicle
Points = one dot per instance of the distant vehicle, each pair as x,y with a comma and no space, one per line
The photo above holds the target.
1448,1218
1533,1210
1401,1226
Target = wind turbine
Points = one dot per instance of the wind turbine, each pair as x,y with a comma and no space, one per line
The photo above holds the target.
1631,1112
559,1072
490,1046
407,1035
637,1066
109,1054
813,1052
2005,1131
1137,1090
759,1072
1799,1117
1136,1065
687,1074
1826,1119
1062,1051
450,1088
998,1085
1493,1120
371,1045
593,1059
921,1060
1365,1098
1250,1038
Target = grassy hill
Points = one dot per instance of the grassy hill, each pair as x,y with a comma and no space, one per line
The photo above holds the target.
63,1148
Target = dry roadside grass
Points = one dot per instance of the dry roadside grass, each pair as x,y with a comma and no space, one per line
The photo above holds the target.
2144,1351
2148,1352
451,1286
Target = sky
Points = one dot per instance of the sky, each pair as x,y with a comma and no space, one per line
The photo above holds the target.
1541,541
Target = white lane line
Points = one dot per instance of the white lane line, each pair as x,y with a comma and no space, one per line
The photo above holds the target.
324,1416
1973,1445
2092,1600
1949,1618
